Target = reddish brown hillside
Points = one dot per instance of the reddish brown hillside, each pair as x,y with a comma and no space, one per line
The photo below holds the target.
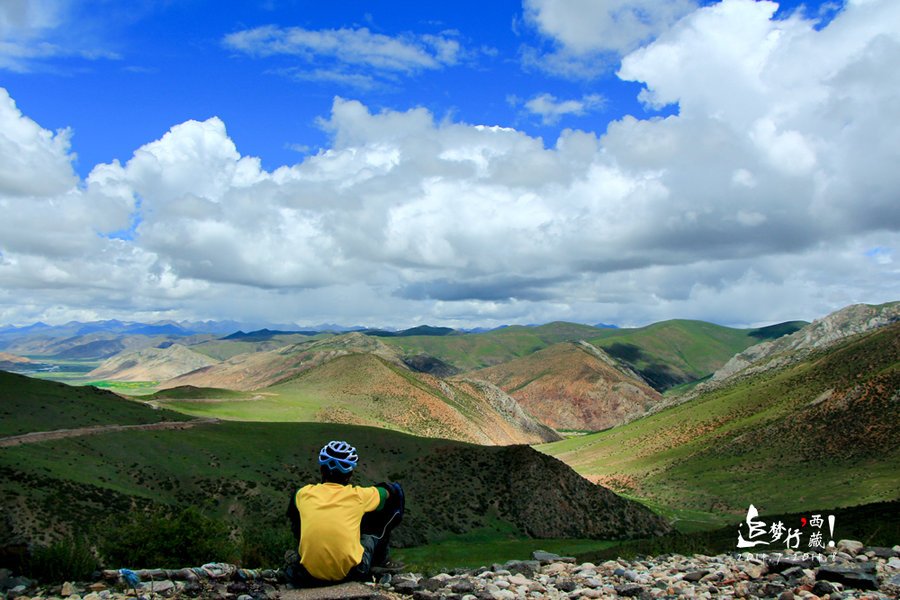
573,386
363,389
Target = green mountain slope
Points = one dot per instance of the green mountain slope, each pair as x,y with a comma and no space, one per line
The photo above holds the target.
242,473
29,405
824,432
665,354
674,352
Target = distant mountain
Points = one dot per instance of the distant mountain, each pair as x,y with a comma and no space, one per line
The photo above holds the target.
573,386
151,364
258,369
420,330
93,346
265,334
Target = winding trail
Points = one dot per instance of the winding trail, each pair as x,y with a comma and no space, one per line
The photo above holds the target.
42,436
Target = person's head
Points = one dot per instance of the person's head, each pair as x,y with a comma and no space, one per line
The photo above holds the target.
336,462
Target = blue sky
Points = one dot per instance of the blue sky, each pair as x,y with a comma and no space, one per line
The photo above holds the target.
462,164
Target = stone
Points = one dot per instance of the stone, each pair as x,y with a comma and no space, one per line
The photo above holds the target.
861,577
549,557
406,586
462,587
432,584
503,595
894,563
772,589
851,547
523,567
823,587
754,571
694,576
878,551
68,588
629,590
788,595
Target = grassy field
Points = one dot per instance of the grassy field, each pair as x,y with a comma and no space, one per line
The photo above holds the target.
28,405
823,433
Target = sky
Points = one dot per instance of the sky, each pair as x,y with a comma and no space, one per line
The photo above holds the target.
461,164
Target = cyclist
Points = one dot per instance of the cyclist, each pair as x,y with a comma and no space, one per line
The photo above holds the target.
343,531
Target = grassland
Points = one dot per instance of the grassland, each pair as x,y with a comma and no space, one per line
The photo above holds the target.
666,354
822,433
28,405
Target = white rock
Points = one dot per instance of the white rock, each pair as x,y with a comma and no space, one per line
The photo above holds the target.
68,588
518,580
503,595
851,547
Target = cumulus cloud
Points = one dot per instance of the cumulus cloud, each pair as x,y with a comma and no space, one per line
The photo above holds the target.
772,191
590,35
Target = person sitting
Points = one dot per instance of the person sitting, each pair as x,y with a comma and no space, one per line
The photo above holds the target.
343,531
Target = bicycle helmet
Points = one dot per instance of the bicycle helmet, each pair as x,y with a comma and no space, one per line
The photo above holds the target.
338,456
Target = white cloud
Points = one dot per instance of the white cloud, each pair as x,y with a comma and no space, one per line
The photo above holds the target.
590,35
36,162
32,31
349,54
552,110
586,26
768,191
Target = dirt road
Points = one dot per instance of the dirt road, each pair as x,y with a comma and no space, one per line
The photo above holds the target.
42,436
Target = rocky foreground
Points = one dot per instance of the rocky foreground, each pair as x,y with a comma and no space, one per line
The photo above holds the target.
853,572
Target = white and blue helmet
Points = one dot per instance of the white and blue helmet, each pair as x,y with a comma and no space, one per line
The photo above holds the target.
338,456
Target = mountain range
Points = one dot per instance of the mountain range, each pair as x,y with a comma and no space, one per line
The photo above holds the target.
695,420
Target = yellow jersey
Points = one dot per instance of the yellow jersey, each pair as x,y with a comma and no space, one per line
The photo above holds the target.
330,514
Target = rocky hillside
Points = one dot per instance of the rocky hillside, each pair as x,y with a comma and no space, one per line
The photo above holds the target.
12,362
573,386
818,335
151,364
257,370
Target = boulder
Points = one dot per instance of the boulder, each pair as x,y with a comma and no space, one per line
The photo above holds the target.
851,547
861,577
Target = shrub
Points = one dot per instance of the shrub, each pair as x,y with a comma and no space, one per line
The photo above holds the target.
65,560
166,539
264,548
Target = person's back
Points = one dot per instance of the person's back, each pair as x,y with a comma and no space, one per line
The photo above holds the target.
335,542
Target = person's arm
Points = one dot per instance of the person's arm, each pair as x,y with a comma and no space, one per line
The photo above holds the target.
294,516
